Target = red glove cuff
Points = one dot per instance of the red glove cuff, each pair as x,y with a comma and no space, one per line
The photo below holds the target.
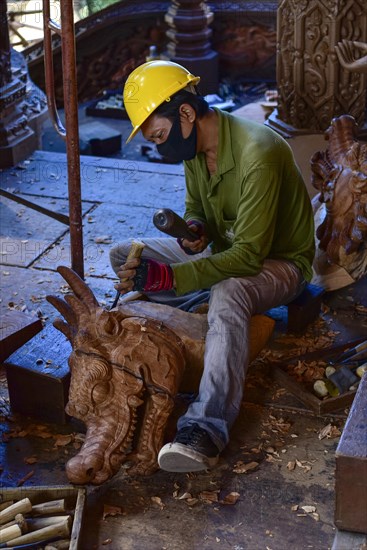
153,276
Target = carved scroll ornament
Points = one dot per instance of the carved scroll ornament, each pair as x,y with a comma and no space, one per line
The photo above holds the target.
340,174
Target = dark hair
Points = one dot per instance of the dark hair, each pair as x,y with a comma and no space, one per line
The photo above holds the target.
170,108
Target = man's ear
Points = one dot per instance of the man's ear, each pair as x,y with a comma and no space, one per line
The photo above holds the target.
187,112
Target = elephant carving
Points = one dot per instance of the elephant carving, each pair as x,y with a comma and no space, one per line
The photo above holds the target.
340,174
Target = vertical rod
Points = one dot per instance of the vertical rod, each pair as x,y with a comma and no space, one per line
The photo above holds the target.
49,70
5,74
72,139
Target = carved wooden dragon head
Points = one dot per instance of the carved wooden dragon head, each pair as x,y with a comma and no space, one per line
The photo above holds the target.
340,174
118,364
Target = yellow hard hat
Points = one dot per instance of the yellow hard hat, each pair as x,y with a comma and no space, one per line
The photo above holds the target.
149,85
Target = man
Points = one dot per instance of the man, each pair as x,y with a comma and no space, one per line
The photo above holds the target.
249,207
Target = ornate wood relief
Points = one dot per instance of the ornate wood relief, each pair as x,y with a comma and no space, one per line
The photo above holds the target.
113,42
189,43
313,87
5,68
17,140
245,49
340,174
127,365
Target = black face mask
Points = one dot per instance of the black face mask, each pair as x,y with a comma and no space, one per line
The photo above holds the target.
176,147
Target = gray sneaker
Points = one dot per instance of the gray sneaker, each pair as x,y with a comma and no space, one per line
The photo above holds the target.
192,450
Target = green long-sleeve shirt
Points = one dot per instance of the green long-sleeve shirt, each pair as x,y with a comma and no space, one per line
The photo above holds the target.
256,206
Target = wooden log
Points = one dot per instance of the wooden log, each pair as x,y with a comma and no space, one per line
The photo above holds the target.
59,545
40,522
21,507
18,520
4,505
61,529
10,533
50,507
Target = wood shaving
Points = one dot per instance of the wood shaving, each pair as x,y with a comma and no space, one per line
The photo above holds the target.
241,468
63,440
209,496
308,509
111,511
329,432
30,460
158,501
231,498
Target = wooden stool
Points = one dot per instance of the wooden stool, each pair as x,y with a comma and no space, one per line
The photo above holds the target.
305,308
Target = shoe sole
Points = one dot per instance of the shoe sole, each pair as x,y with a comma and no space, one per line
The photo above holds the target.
175,457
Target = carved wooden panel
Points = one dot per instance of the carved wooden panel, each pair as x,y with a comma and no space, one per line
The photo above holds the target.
313,87
112,43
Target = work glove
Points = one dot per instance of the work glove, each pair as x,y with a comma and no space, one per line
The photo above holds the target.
153,276
197,227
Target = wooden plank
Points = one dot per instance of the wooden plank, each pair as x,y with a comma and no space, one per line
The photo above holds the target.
16,328
351,467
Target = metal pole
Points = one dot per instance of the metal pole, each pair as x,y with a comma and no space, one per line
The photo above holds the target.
71,133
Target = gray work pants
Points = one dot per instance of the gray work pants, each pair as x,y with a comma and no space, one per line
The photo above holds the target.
232,303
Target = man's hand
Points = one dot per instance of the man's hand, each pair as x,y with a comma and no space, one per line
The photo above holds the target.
195,247
144,275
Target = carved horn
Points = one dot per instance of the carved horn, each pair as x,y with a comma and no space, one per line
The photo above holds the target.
78,286
70,327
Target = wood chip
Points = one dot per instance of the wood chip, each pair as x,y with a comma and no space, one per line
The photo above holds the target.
63,440
185,496
191,501
329,432
25,478
111,511
158,501
291,465
30,460
241,468
309,509
209,496
231,498
103,239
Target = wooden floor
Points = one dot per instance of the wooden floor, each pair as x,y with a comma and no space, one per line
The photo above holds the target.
274,429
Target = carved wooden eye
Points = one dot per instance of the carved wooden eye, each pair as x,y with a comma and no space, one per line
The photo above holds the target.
100,392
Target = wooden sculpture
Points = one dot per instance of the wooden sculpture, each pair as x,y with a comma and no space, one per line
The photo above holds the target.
340,174
118,364
127,364
352,55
